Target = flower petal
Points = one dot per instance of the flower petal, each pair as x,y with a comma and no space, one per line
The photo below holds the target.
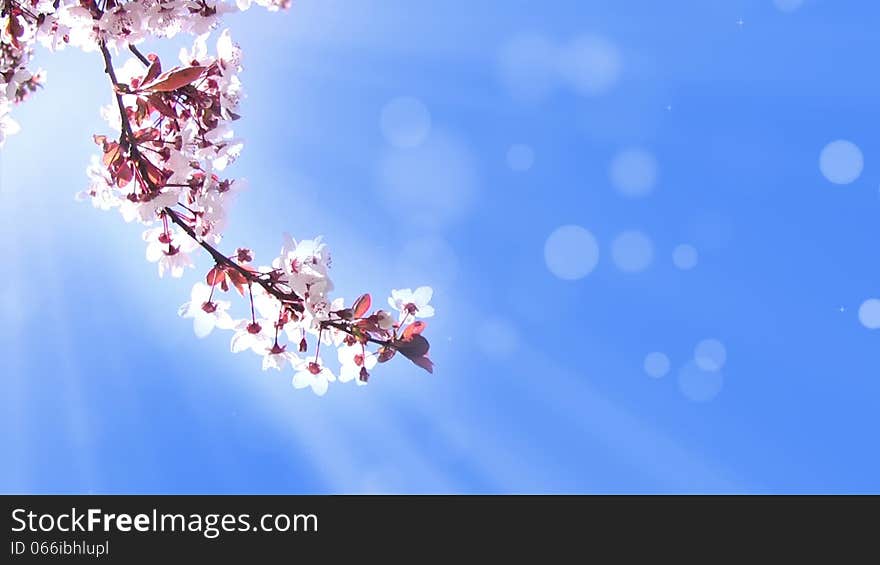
423,295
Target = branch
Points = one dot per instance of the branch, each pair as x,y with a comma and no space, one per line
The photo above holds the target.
139,55
272,287
129,141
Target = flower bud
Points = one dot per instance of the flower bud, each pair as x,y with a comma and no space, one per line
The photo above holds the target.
386,353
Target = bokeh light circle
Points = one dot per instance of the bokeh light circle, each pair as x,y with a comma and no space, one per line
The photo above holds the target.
788,6
571,252
841,161
710,355
633,172
685,256
656,364
869,313
590,64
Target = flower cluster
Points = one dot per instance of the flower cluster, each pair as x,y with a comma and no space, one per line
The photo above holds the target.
164,167
90,25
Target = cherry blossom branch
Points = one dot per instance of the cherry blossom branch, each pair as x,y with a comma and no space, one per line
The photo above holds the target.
137,53
361,328
165,171
128,140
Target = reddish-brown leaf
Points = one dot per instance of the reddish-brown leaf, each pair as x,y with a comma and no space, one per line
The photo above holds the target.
111,152
155,69
155,175
124,174
15,29
361,306
143,110
368,325
215,275
161,106
177,77
238,280
414,347
146,134
424,363
414,328
345,313
385,354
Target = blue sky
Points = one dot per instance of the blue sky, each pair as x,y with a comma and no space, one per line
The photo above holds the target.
444,144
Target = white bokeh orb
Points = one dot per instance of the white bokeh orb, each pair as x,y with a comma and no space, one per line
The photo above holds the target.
869,313
698,384
405,122
788,6
841,162
656,364
710,355
633,172
571,252
590,64
632,251
520,157
685,257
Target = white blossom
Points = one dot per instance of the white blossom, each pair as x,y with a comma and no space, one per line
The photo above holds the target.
413,304
206,311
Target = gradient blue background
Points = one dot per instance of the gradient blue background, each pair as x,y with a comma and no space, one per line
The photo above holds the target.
106,390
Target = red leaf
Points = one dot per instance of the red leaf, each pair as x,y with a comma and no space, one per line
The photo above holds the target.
154,70
111,152
161,106
15,30
124,174
174,79
142,111
416,346
146,134
238,280
385,354
415,328
361,306
416,350
424,363
155,175
215,276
